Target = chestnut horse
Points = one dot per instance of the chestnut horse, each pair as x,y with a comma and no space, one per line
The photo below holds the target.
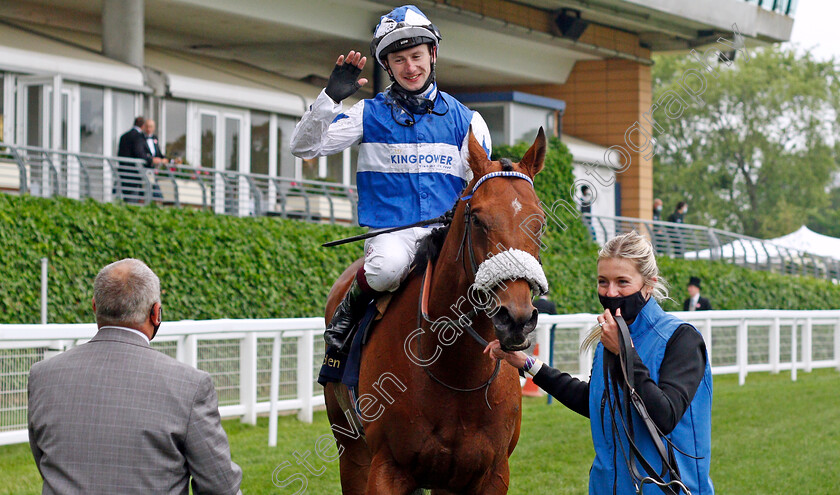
437,412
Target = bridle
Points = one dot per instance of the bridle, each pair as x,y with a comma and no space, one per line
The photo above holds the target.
472,268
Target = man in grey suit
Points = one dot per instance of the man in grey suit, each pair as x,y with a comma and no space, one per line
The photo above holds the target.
115,416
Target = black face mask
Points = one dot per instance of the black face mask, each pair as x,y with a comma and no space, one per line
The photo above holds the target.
630,306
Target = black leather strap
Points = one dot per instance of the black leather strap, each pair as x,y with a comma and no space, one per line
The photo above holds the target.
627,396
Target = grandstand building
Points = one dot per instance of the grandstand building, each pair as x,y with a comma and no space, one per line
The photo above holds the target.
226,81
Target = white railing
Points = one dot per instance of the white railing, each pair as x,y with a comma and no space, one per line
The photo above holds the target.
739,342
268,366
258,366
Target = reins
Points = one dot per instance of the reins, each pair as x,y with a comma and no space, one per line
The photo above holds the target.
626,395
425,286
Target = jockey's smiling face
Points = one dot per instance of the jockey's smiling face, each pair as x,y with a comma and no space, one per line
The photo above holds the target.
411,67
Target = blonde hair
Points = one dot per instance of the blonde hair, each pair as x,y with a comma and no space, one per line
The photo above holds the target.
636,248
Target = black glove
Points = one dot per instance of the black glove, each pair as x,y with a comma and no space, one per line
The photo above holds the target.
343,81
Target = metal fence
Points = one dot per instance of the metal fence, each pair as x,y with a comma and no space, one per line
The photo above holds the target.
705,243
267,366
786,7
49,173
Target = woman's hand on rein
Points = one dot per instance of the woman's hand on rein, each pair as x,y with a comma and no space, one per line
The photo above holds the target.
515,359
609,331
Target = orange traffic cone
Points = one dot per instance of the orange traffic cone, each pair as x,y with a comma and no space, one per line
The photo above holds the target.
530,389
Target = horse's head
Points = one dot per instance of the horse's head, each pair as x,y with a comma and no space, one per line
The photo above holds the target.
504,255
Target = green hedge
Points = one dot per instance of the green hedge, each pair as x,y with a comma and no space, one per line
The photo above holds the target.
214,266
210,266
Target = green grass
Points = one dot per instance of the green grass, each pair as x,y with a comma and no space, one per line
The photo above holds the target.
771,436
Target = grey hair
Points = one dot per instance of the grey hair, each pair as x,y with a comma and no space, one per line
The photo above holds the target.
124,293
636,248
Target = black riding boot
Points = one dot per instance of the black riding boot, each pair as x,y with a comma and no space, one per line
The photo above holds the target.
350,310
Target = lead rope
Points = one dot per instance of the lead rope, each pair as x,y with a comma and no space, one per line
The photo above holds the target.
669,464
422,314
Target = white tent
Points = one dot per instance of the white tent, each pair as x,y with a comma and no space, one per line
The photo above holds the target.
809,241
750,251
790,246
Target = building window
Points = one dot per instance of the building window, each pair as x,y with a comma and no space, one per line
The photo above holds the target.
2,108
335,168
494,116
260,137
285,159
309,169
208,141
175,128
232,139
123,112
92,119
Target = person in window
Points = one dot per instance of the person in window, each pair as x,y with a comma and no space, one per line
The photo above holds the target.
133,145
153,144
413,150
672,374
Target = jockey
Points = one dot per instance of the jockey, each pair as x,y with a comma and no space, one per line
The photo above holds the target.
413,151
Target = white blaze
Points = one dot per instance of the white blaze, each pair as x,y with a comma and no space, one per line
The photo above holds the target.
517,206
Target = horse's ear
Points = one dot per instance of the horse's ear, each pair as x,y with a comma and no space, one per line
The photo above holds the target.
478,156
533,160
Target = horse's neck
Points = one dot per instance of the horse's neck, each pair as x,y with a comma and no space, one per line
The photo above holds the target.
449,299
450,281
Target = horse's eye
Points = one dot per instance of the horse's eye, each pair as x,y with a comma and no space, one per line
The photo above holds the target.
480,224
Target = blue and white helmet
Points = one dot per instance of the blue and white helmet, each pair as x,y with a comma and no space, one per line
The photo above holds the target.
403,27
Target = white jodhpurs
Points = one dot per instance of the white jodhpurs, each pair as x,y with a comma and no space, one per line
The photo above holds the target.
389,256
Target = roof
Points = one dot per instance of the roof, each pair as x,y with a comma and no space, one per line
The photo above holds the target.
512,96
25,51
586,152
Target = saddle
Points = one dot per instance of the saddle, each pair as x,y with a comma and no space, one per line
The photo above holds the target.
345,369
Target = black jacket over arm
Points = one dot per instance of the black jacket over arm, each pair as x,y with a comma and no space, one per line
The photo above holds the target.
679,376
133,145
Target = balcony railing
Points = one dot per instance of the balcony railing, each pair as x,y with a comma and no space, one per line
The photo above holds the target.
786,7
679,240
48,173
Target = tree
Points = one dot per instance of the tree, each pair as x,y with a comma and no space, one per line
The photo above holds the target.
755,151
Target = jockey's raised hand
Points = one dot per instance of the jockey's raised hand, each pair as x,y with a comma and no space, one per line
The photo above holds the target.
343,81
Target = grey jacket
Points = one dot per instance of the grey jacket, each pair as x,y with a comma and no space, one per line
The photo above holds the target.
115,416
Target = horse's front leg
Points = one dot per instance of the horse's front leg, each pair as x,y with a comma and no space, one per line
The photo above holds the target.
386,478
496,482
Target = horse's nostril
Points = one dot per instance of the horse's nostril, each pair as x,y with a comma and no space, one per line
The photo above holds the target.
502,319
531,324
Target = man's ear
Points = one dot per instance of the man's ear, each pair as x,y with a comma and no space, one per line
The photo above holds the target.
93,303
157,314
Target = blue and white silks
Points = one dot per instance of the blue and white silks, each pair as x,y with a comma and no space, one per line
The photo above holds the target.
405,174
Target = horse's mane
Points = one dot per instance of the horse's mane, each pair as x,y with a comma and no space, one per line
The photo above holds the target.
430,246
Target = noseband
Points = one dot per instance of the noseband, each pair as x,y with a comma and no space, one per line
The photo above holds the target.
497,272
